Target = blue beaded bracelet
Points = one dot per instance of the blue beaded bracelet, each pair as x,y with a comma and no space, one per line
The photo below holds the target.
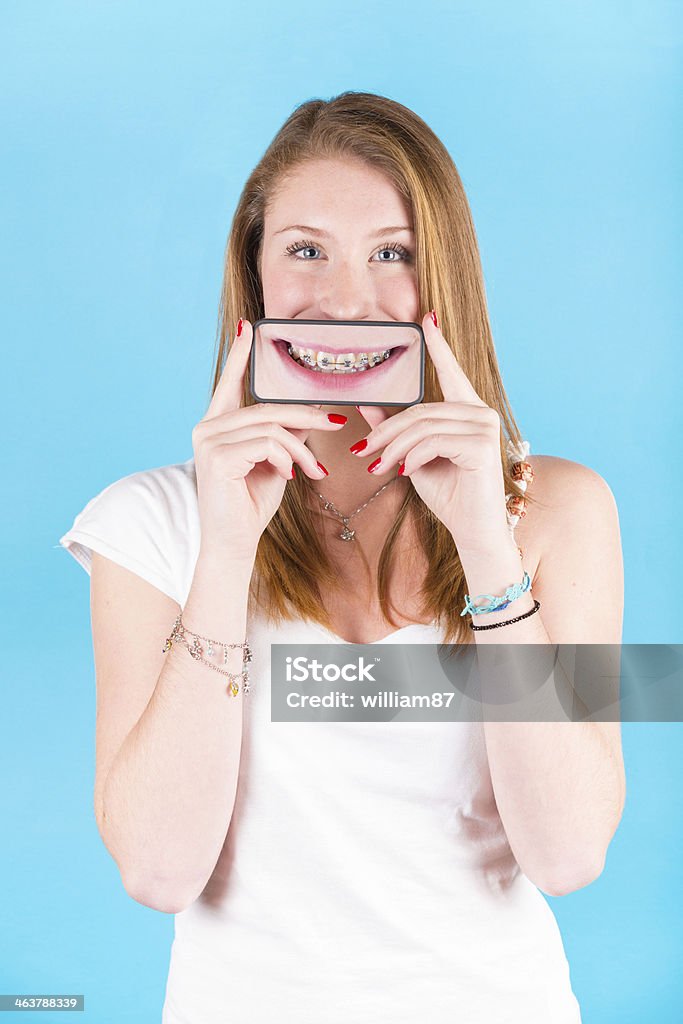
496,604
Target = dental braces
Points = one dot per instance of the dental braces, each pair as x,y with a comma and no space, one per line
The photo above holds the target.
347,365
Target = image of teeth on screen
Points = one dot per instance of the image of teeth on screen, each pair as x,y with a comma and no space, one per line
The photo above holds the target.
337,361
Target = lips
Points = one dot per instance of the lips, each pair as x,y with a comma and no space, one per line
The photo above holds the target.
335,382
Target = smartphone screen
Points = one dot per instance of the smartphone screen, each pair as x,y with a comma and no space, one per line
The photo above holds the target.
338,362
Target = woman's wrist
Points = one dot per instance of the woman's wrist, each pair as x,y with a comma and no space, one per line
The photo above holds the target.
492,572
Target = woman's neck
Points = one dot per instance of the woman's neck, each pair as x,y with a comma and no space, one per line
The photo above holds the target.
370,527
349,485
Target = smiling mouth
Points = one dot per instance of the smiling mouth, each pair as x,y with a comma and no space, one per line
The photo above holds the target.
334,363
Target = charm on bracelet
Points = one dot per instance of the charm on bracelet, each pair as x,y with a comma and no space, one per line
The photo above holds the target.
195,650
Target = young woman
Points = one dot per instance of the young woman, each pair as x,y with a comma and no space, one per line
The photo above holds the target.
350,871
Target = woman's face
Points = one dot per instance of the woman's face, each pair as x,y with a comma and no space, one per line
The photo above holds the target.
338,244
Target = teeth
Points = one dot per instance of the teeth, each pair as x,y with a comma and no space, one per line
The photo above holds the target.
343,362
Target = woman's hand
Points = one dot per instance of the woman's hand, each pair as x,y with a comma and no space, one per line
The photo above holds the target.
450,451
244,457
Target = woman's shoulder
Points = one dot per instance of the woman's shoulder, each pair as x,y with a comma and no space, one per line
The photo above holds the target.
166,488
158,504
560,480
174,474
565,494
166,495
147,521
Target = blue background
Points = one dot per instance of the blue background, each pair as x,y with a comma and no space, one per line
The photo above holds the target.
128,130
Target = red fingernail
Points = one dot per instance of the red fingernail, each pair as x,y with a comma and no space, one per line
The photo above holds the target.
239,326
433,316
401,468
320,466
335,417
358,446
293,473
373,465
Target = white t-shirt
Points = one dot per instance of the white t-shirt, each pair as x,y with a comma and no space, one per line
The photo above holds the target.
366,874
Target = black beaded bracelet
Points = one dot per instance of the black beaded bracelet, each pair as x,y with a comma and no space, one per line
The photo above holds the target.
508,622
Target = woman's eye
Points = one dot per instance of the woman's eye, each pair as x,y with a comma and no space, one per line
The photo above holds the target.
297,247
388,252
394,249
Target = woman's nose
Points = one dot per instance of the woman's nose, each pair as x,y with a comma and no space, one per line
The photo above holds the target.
345,295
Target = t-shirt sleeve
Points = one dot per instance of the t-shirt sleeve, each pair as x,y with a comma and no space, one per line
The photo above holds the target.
136,522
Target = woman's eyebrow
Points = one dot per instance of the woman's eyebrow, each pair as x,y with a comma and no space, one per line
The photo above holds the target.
328,234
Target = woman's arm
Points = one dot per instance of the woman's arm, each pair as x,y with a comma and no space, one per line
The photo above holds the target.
559,786
168,733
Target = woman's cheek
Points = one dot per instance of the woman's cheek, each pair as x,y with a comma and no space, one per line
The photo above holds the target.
399,295
283,290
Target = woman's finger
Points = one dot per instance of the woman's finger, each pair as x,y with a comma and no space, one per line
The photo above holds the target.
467,451
228,393
301,433
289,415
372,414
296,449
454,382
412,426
425,431
242,456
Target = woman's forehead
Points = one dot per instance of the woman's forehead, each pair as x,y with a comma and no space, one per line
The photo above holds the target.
319,196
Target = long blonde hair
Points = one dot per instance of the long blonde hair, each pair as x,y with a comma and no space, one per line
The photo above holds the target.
291,563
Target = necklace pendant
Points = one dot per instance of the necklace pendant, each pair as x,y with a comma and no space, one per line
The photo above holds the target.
347,534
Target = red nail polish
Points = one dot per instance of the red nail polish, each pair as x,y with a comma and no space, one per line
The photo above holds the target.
240,323
293,473
335,417
401,468
358,446
373,465
320,466
433,316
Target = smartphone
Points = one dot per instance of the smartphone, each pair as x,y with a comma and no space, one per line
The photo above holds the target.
338,362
